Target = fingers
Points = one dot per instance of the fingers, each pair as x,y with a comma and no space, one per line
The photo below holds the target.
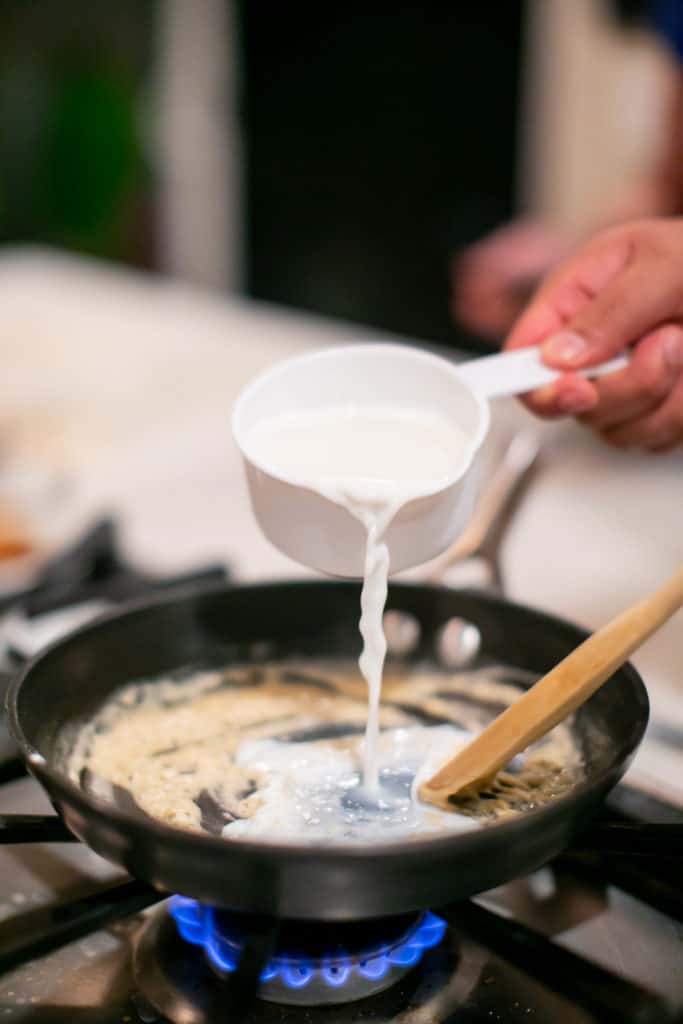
616,406
566,294
569,395
659,431
623,289
642,406
609,322
570,290
638,390
609,295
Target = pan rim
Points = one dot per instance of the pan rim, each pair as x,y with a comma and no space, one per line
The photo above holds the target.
294,852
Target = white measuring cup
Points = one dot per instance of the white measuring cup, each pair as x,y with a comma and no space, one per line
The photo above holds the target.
317,532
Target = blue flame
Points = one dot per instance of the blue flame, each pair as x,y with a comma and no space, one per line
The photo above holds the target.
336,970
375,968
197,925
296,975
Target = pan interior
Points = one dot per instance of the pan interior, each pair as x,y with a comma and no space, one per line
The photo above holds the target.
68,685
272,751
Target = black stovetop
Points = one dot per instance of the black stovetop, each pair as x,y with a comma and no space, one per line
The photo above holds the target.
592,937
595,936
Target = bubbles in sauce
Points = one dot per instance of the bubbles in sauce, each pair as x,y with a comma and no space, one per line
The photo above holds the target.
317,789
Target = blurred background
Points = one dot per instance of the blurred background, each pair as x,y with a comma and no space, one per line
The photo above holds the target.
335,158
193,189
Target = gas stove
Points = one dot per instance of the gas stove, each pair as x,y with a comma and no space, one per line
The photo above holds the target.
310,964
594,936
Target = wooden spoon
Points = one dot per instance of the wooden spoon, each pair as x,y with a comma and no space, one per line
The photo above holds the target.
553,697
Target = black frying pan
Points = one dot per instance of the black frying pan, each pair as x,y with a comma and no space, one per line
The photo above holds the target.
70,681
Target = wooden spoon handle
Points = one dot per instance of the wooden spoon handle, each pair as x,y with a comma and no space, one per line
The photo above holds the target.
554,696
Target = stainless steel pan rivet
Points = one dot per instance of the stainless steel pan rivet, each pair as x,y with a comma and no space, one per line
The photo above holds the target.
402,631
457,643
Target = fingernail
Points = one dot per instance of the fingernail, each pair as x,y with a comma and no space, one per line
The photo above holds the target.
575,401
673,351
566,347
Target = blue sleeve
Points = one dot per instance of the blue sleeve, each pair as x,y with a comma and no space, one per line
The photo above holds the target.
667,19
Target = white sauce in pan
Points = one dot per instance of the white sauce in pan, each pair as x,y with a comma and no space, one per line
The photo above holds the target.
313,788
276,753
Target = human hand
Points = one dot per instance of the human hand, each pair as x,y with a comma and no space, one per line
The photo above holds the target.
493,279
625,288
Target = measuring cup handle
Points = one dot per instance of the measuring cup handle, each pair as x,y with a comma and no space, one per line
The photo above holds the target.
513,373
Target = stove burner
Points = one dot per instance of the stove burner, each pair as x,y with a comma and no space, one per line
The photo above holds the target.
315,963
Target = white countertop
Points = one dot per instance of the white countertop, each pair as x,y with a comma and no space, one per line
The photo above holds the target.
125,383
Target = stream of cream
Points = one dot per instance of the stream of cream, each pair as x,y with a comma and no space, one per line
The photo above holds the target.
372,461
372,601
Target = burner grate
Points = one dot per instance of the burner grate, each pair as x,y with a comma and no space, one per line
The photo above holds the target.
650,878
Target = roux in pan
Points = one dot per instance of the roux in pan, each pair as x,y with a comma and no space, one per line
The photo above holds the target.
275,752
